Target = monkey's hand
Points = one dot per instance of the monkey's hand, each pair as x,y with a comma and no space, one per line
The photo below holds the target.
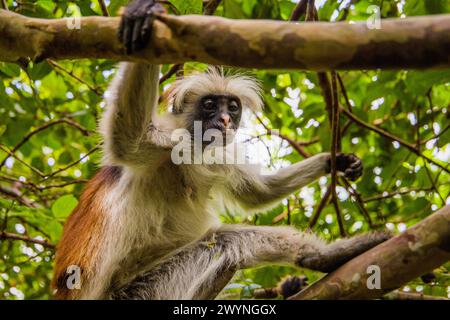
136,24
347,163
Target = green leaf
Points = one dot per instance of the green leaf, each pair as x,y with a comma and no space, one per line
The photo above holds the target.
62,207
54,229
65,157
188,6
10,69
420,82
39,70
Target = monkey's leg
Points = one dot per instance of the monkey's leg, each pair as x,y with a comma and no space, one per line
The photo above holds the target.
337,253
201,270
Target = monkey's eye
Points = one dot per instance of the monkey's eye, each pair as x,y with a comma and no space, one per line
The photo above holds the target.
233,107
208,104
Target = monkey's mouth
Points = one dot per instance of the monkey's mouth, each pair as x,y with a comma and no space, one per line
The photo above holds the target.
220,127
218,134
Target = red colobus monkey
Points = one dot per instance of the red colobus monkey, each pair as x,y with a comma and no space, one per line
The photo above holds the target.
146,227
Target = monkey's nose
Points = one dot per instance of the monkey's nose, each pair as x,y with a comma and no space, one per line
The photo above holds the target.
225,118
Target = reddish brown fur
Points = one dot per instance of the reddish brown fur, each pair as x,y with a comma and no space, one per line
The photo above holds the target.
81,239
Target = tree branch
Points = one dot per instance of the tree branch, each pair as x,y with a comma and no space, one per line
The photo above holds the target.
294,144
390,136
47,125
335,148
13,236
400,295
416,251
261,43
103,7
16,194
61,69
322,204
400,192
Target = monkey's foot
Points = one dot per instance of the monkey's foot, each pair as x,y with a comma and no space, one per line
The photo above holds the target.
337,253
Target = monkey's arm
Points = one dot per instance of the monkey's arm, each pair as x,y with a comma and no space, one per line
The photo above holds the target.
202,269
131,100
256,190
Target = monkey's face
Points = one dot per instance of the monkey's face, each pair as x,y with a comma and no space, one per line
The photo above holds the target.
219,112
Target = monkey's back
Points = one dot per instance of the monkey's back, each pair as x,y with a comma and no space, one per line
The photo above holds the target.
125,214
83,230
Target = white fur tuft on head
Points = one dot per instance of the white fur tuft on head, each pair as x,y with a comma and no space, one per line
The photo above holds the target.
187,91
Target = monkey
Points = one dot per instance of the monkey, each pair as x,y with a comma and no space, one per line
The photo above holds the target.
146,227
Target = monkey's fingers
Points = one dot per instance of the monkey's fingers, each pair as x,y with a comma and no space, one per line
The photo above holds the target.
136,41
127,33
353,173
146,30
136,24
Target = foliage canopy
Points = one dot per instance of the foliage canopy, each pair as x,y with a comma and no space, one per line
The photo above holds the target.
49,144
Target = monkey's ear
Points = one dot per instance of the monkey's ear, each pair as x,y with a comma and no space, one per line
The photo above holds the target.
248,89
171,97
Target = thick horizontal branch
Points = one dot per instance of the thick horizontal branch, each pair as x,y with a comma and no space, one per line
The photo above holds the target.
401,259
418,42
399,295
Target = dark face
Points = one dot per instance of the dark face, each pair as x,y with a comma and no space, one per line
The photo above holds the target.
220,112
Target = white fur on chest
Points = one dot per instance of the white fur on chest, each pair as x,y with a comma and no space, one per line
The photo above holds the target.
143,215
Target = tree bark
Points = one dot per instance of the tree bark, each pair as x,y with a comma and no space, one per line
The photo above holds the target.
418,42
409,255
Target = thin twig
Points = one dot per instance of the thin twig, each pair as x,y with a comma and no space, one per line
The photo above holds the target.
4,5
13,155
62,185
390,136
103,7
430,177
14,236
173,70
344,92
393,194
47,125
360,202
73,163
334,150
71,74
310,11
211,7
322,204
436,135
299,10
299,148
16,194
430,104
346,10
